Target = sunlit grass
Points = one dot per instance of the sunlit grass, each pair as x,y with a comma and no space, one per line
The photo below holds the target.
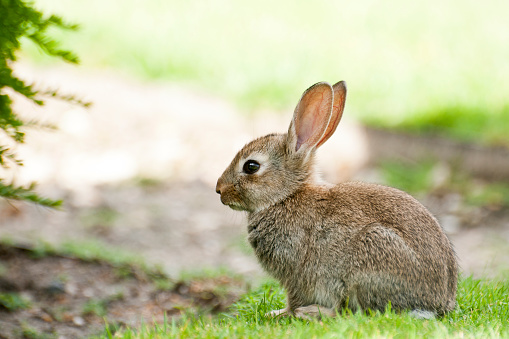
488,125
123,262
483,311
407,64
421,178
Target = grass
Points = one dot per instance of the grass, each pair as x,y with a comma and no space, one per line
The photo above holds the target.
28,332
99,307
493,194
413,178
431,176
421,66
100,217
207,273
483,312
98,251
125,263
12,301
463,123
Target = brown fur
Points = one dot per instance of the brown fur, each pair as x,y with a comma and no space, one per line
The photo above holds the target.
354,244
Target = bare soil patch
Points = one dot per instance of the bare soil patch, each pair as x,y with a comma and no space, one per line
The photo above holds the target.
51,295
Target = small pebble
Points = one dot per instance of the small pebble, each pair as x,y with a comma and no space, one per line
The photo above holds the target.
78,321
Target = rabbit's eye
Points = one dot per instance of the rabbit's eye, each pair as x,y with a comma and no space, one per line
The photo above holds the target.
251,167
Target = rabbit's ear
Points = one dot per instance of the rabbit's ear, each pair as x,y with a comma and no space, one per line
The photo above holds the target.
337,111
311,117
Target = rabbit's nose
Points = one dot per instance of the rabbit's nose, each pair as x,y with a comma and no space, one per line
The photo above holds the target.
218,186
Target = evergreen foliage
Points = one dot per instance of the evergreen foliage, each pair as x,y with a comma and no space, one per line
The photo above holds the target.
19,19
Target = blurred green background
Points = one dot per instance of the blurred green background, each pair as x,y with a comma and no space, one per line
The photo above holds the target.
424,66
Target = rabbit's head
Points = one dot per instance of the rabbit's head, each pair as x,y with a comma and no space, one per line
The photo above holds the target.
271,168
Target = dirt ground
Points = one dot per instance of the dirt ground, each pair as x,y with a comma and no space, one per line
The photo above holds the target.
66,297
137,173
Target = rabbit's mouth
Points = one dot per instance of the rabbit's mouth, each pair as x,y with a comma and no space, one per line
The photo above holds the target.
236,207
232,204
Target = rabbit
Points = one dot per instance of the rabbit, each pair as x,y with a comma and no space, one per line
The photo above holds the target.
353,245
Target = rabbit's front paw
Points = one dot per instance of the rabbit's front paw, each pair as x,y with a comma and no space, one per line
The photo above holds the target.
277,313
314,312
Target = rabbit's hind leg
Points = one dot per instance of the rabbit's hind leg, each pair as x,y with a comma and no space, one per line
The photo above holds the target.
423,314
314,312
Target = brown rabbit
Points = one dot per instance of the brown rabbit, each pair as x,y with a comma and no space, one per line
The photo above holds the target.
354,245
